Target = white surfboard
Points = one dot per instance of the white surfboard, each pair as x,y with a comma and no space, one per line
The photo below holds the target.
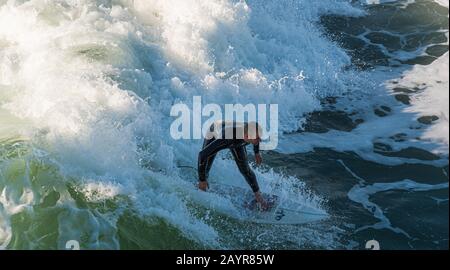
280,211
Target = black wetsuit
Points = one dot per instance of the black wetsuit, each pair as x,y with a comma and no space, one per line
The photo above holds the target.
238,150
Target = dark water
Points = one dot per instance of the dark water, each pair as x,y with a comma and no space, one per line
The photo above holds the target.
377,39
383,38
421,214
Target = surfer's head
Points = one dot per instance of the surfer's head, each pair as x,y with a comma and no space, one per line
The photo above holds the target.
252,132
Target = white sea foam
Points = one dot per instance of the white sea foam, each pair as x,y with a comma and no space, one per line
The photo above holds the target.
433,100
95,80
442,2
377,2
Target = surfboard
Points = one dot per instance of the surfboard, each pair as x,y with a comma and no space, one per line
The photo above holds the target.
281,211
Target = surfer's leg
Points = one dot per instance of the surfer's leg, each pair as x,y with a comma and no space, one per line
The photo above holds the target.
205,165
207,155
211,145
240,156
209,163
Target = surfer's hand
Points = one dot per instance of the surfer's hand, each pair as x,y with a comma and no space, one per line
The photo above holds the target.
260,200
258,159
203,185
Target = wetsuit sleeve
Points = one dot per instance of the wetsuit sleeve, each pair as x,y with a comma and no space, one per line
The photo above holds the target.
256,148
209,151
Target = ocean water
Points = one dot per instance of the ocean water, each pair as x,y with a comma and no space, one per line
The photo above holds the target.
86,89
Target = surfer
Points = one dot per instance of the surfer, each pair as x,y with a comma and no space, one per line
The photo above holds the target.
234,136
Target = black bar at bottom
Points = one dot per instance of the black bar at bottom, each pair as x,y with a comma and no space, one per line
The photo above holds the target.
217,258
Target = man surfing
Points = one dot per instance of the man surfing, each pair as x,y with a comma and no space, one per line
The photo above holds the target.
234,136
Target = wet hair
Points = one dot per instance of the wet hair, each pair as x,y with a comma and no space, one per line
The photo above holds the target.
253,130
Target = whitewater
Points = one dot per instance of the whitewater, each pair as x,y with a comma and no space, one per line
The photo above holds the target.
86,89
